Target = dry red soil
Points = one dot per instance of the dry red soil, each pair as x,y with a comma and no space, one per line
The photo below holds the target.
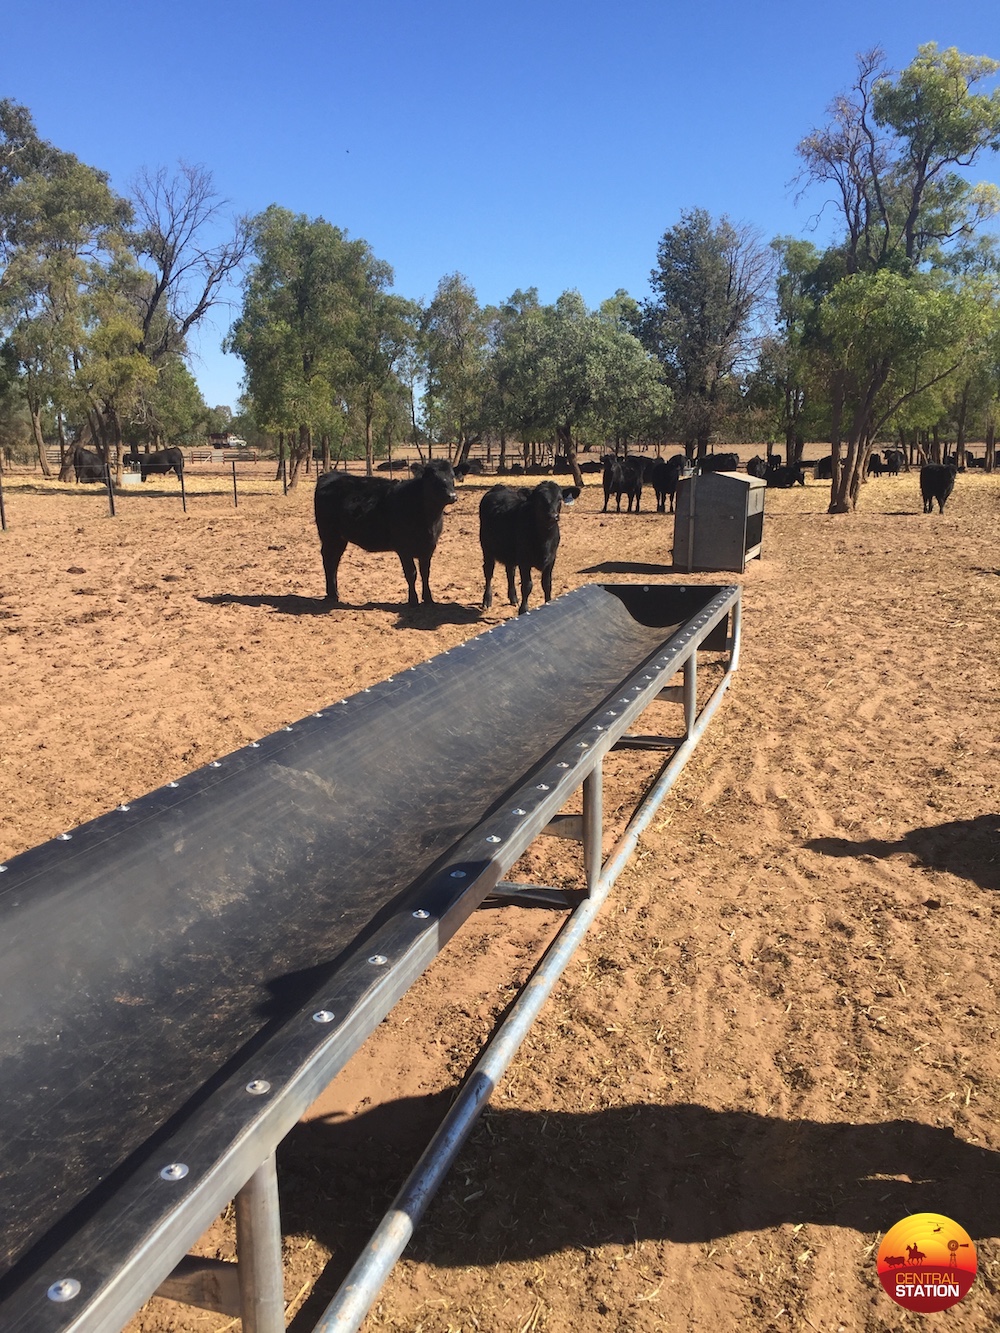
780,1037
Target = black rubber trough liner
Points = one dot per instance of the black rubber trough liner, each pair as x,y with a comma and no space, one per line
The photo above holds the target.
181,977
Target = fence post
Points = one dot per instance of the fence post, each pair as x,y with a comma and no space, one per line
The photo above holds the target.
284,476
236,503
3,514
111,489
183,492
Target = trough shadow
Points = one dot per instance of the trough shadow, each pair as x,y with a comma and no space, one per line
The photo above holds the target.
963,847
534,1183
626,567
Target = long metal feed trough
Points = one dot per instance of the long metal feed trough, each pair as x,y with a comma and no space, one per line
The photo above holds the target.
180,978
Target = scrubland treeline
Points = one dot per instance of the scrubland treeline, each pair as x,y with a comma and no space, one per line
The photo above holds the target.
890,333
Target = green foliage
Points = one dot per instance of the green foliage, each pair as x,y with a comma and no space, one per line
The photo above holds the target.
454,338
319,334
912,305
709,282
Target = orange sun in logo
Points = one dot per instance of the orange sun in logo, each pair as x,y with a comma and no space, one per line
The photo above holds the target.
927,1262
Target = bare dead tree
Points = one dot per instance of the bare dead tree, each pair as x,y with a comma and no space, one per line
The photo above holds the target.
177,219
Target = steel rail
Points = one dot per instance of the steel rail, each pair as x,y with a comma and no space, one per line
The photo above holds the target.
350,1305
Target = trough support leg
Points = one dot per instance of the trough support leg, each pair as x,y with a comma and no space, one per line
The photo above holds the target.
593,826
258,1247
690,693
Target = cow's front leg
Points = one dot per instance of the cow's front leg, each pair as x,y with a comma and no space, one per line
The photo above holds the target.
410,574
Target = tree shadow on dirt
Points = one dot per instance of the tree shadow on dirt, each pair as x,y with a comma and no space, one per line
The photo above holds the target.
408,617
532,1183
964,847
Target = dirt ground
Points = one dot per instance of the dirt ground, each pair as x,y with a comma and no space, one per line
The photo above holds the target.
779,1039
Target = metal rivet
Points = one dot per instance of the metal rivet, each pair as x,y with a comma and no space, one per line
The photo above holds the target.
518,811
255,745
562,764
458,874
583,745
598,728
64,1290
323,1016
124,807
63,837
421,915
2,869
612,712
173,784
378,960
542,786
493,838
215,764
258,1086
175,1171
319,715
289,728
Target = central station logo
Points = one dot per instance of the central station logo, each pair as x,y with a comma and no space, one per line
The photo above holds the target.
927,1263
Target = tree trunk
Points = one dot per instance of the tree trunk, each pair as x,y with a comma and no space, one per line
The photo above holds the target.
564,441
36,430
325,442
281,454
303,448
836,416
990,444
369,442
961,420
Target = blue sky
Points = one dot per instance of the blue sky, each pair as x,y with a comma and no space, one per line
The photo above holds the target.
545,144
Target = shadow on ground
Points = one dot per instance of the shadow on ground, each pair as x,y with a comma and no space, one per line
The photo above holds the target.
964,847
408,617
533,1183
627,567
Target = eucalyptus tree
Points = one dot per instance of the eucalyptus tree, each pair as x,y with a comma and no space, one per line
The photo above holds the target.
900,321
384,329
570,371
710,282
294,330
509,328
454,336
61,227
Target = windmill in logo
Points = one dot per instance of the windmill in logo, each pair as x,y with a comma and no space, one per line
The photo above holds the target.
953,1248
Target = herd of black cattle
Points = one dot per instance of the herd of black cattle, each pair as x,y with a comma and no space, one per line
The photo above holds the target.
88,466
518,526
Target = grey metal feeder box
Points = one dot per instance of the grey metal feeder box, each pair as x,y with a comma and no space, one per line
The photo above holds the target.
719,521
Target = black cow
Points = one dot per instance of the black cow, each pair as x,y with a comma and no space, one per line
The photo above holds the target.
894,460
88,466
824,468
163,461
875,466
937,481
382,515
785,477
519,528
614,481
757,467
633,475
666,474
720,463
132,459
